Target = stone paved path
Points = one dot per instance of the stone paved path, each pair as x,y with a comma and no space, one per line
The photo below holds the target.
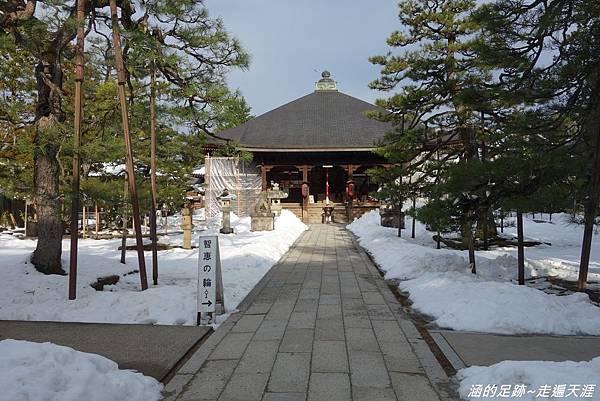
322,325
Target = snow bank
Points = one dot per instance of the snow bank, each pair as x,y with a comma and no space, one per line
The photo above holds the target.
440,284
541,377
50,372
246,257
465,303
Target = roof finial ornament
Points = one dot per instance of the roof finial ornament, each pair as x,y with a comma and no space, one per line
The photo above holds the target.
326,83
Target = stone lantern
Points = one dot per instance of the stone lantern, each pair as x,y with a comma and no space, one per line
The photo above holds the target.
226,199
276,195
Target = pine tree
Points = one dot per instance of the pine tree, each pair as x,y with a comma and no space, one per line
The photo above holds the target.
45,37
548,54
529,172
192,52
435,110
17,90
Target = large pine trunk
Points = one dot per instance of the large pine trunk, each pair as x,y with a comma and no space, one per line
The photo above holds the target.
468,240
47,255
591,201
486,225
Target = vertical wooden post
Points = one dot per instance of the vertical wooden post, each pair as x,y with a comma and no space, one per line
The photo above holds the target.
237,183
400,202
484,226
128,146
414,220
76,143
400,219
153,203
520,248
166,221
124,235
350,171
84,222
305,199
263,176
471,240
400,213
207,193
97,218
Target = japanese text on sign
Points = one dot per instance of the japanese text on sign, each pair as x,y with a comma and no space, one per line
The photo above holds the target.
207,273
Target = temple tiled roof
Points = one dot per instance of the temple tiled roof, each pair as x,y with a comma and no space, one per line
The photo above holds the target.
323,120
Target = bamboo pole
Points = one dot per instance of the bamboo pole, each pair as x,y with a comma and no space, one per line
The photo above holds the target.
124,234
153,234
128,146
79,61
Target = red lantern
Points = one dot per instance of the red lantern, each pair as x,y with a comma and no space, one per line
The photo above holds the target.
305,190
350,190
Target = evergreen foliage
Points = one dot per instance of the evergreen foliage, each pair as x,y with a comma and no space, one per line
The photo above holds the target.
547,55
495,106
190,52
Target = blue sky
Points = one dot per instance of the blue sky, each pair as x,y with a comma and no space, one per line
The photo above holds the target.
291,42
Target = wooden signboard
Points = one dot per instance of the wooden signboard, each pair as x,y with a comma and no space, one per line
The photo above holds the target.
210,280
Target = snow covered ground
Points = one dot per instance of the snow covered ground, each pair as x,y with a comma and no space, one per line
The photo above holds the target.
440,284
531,380
50,372
246,257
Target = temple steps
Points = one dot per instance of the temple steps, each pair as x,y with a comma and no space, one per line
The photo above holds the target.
313,215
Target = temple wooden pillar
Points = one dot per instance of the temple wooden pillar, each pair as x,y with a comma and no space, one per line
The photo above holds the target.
305,200
350,170
263,174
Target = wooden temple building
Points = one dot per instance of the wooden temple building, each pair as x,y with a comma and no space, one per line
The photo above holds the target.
323,139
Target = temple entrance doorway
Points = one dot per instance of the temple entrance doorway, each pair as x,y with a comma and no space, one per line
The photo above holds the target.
335,175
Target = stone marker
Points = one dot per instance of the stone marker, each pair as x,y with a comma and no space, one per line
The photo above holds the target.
186,225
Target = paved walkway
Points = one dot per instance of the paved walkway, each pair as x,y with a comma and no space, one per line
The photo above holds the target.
153,350
464,349
322,325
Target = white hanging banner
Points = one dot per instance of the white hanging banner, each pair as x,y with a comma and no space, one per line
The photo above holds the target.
210,281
